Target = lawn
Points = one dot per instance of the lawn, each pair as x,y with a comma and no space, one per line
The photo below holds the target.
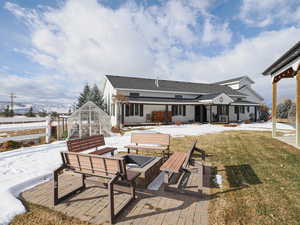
261,182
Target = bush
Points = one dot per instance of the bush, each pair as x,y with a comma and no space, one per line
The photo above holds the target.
11,145
283,109
178,122
264,113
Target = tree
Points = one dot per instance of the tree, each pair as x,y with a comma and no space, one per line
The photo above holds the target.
283,108
42,113
30,113
85,96
292,112
264,112
7,111
96,96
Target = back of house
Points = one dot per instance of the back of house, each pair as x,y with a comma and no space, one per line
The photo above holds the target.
142,101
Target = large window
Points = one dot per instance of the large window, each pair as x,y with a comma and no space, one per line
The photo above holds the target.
222,109
178,110
134,110
240,109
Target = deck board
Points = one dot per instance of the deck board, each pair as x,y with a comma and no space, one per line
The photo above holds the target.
150,207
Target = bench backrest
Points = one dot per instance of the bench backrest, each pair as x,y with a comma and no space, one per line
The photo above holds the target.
189,155
149,138
94,164
82,144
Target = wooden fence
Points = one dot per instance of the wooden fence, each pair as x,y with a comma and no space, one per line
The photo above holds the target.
25,124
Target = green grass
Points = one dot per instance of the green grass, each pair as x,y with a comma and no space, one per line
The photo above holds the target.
261,178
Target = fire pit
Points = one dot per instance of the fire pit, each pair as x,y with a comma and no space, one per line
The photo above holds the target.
148,166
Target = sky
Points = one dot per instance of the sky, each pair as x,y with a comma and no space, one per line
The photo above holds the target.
50,48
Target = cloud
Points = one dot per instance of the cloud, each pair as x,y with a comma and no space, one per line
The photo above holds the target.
263,13
83,40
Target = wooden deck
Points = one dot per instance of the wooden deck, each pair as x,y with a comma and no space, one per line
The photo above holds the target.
150,207
290,140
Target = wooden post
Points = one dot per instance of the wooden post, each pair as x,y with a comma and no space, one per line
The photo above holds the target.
274,114
298,109
210,114
48,130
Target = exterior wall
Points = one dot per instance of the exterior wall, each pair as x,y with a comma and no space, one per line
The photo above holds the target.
108,93
148,109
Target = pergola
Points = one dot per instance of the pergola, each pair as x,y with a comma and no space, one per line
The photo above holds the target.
287,66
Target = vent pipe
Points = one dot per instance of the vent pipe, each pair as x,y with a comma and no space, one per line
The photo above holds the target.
156,83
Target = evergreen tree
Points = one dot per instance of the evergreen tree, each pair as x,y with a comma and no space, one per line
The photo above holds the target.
85,96
30,113
7,111
96,96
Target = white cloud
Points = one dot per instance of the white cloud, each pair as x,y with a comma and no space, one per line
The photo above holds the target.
83,40
216,33
262,13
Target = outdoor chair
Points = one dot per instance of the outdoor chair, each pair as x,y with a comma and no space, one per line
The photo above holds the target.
83,144
112,169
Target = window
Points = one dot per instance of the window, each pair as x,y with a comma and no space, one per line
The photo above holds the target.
236,109
178,110
242,109
248,108
133,94
178,96
134,110
127,110
222,109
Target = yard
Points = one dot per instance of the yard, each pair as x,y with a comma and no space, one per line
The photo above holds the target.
260,181
259,174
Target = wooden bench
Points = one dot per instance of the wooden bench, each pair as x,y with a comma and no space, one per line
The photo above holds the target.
150,142
177,164
113,169
83,144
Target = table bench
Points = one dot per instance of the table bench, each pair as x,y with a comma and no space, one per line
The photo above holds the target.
177,164
150,142
83,144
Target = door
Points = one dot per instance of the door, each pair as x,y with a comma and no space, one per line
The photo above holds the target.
197,113
204,114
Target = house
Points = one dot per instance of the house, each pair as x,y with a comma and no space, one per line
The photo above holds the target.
133,101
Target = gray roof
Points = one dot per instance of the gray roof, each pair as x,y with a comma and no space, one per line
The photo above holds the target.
233,80
162,100
285,59
133,83
208,97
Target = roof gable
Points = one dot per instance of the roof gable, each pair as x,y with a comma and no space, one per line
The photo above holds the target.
146,84
235,80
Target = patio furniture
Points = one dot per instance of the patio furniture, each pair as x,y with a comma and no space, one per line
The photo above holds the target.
150,142
83,144
111,169
177,164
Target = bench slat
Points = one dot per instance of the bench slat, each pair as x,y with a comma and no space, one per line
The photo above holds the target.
174,163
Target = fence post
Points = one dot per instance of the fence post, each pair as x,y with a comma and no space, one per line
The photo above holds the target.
48,129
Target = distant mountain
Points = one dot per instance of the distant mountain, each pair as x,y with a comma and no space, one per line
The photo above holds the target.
22,108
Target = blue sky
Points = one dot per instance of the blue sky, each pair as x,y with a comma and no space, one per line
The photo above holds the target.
49,49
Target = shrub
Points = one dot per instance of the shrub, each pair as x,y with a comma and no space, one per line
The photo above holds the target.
11,145
264,113
178,122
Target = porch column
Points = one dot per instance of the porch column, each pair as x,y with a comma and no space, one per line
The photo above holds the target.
210,114
227,109
274,114
298,109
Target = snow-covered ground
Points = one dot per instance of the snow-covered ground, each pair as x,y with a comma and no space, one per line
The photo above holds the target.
26,167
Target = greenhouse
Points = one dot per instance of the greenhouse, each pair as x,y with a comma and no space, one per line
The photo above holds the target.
88,120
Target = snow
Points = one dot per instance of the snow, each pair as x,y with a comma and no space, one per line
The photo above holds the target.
26,167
